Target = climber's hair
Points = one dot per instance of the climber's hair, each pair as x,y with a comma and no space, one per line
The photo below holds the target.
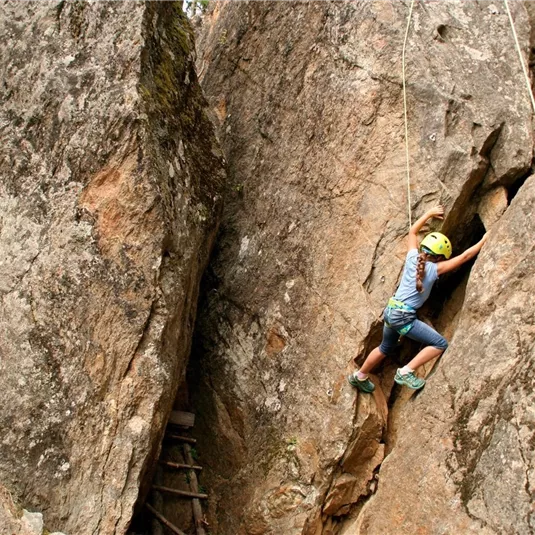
420,269
424,257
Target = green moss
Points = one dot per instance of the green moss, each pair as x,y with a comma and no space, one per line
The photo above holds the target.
174,106
76,19
292,442
203,213
169,53
275,447
223,37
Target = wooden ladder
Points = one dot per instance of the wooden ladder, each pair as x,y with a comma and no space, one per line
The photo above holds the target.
184,420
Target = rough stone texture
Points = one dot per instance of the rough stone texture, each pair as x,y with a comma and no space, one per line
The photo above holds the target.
10,516
32,522
17,521
111,180
308,97
492,206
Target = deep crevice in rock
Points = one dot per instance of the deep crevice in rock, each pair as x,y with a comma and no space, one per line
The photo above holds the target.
177,510
514,188
447,284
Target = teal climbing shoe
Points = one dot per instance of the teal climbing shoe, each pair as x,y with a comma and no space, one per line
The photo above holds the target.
364,386
409,380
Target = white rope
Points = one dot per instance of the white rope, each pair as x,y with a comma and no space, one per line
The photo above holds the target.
524,70
519,50
405,115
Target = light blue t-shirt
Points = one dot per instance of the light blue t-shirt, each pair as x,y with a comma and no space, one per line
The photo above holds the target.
407,291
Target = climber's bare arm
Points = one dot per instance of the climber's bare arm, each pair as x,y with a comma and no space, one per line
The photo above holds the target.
457,261
437,211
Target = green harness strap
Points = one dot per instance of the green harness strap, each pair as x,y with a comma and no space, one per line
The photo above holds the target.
400,305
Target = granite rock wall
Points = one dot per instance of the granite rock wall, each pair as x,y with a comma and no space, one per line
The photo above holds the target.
110,195
308,99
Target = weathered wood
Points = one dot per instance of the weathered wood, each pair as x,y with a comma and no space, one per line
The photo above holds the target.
164,520
158,503
181,465
184,419
183,493
180,437
194,486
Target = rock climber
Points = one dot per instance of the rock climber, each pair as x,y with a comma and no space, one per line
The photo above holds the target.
423,266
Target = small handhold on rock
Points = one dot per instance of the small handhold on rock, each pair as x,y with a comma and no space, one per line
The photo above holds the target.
433,136
440,33
492,206
33,522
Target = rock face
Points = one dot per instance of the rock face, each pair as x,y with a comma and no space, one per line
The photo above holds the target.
111,182
309,101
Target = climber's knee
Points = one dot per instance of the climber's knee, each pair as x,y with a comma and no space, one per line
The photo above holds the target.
441,344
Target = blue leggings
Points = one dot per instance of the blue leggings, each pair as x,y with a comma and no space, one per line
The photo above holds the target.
420,331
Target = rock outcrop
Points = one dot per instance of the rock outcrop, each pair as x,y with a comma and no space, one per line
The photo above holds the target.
14,521
110,194
309,102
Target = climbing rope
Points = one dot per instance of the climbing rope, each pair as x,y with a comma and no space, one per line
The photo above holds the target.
524,70
405,115
519,50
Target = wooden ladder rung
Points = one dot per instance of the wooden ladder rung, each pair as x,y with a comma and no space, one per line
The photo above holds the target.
164,520
180,437
182,493
181,465
181,418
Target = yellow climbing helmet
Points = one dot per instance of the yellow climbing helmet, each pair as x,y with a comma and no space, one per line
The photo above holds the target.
436,243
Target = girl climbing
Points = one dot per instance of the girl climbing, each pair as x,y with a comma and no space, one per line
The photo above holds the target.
422,269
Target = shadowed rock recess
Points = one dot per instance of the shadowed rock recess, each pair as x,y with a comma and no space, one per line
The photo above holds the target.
308,101
110,194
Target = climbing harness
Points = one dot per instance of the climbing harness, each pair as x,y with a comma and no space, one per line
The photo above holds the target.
518,49
405,114
399,305
394,304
